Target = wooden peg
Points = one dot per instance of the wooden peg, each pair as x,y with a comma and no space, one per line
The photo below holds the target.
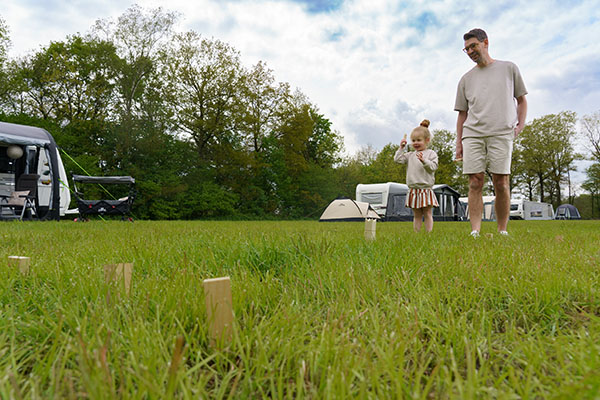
22,262
219,309
119,274
370,229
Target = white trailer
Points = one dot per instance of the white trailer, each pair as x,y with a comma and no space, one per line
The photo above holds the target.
530,210
37,154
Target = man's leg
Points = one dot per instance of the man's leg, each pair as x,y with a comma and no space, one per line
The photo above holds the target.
502,190
476,200
428,216
417,219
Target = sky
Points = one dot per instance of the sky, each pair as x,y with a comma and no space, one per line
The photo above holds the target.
374,68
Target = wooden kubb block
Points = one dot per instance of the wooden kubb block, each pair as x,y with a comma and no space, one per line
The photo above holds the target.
119,275
21,262
370,227
219,309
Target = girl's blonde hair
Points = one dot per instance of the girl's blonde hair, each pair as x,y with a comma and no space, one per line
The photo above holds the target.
422,130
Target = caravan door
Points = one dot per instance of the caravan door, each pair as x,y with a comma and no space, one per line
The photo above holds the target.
45,182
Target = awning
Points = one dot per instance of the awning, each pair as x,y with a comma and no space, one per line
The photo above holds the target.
103,179
23,135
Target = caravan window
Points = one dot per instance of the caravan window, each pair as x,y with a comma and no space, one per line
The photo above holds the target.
372,198
398,209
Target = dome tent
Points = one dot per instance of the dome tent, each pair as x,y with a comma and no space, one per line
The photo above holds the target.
348,210
567,211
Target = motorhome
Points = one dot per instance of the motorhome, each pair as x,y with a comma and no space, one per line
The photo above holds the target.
31,150
388,200
530,210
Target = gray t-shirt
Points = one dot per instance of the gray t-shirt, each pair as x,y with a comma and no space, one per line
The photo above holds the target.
419,175
488,95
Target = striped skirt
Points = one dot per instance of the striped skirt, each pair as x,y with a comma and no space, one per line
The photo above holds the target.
421,198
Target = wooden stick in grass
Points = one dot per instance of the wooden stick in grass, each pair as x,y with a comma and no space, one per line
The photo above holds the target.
370,226
21,262
119,274
219,309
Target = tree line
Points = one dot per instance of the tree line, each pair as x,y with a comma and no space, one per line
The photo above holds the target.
207,137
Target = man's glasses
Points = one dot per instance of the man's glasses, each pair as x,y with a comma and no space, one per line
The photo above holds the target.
470,47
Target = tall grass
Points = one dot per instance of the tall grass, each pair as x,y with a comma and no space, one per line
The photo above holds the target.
319,311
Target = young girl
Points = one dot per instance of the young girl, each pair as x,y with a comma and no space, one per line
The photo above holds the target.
420,178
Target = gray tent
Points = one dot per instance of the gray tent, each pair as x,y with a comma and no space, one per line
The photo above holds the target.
388,200
567,211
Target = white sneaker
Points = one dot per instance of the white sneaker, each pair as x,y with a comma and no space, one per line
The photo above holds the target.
475,234
503,233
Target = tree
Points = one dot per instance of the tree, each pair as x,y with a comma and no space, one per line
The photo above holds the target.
546,152
4,46
448,172
262,107
203,86
591,130
324,144
592,184
139,35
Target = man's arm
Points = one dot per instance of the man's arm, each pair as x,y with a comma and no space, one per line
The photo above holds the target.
460,121
521,114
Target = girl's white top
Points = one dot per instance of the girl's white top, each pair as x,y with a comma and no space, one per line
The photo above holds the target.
419,175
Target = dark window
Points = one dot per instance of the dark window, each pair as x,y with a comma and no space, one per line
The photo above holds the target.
7,164
372,198
398,208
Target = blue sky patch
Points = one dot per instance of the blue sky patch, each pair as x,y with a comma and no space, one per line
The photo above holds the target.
425,20
320,6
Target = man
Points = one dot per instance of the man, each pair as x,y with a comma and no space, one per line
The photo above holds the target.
488,121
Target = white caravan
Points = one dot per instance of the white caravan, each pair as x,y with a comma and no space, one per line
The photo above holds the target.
31,150
530,210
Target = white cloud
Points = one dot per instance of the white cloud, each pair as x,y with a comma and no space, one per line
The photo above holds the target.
375,68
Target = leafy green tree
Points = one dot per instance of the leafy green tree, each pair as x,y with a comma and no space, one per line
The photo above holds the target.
203,86
262,108
592,185
139,36
324,144
546,151
4,46
448,172
521,178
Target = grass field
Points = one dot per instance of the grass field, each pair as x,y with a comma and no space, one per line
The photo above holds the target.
319,311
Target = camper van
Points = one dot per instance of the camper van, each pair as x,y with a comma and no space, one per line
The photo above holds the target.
530,210
388,200
31,150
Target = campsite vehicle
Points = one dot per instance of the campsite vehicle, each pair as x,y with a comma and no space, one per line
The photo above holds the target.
27,153
121,206
530,210
567,211
388,200
489,212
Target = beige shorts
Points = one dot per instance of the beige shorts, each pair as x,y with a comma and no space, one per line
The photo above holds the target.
491,153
